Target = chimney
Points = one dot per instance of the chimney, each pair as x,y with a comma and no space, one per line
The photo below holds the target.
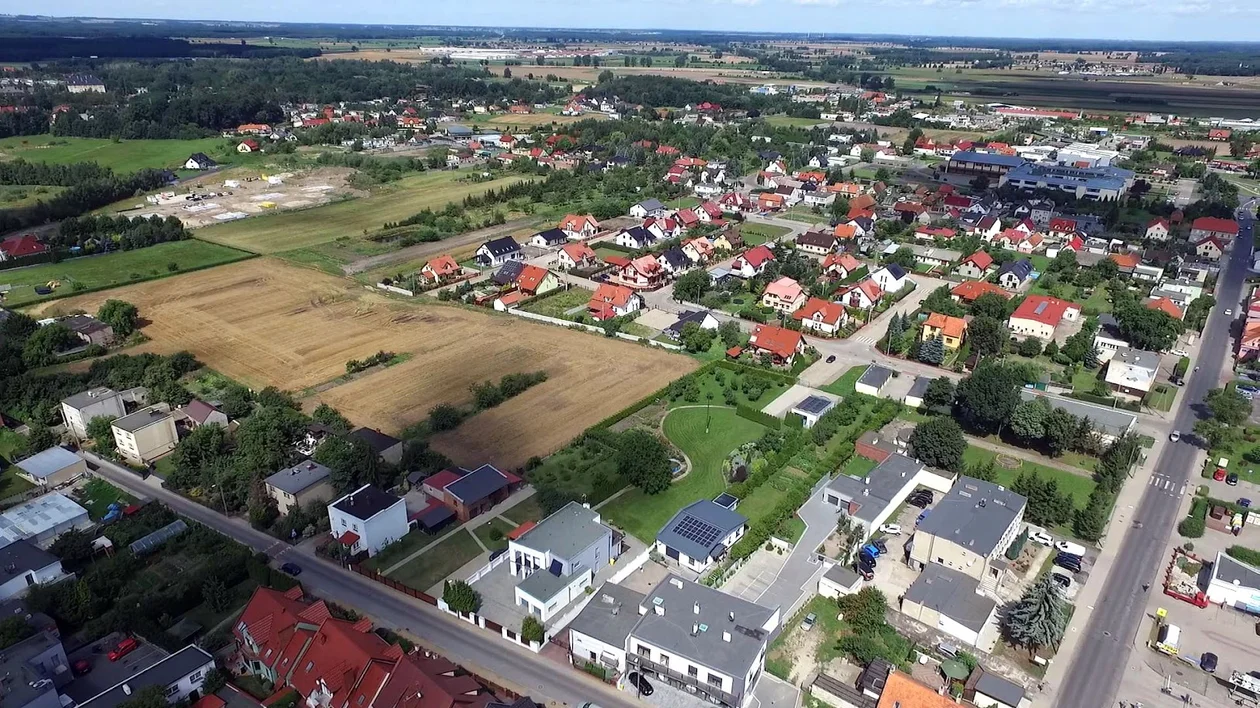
695,629
730,616
695,609
660,609
676,582
726,637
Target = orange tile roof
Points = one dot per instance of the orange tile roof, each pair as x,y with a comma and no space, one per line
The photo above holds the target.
531,277
781,342
579,251
970,290
612,294
443,265
575,222
1163,304
843,260
1126,260
821,310
948,326
1044,309
901,691
845,231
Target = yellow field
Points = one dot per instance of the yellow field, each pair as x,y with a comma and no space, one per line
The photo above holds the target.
530,120
266,323
285,231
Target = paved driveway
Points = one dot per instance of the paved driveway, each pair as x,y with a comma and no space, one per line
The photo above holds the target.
799,573
757,575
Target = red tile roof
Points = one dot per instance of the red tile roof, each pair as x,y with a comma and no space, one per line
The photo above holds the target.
531,277
1215,224
443,265
521,530
24,245
1165,305
757,255
271,619
780,342
1063,225
871,288
841,260
441,479
981,259
1126,260
901,691
348,538
618,261
820,310
970,290
612,294
1043,309
575,222
579,251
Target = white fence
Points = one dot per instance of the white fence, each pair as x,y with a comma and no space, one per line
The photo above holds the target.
487,568
591,328
396,290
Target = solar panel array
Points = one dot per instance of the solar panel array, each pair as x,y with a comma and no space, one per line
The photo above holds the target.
701,532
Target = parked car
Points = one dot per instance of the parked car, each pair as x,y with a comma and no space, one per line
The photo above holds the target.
1062,580
867,572
124,648
640,683
808,623
1232,479
872,550
1207,662
891,529
1179,352
81,667
1070,548
1244,502
292,569
919,501
881,544
1041,537
1219,475
1068,562
865,558
922,515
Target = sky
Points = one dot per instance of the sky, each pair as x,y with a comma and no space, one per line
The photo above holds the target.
1182,20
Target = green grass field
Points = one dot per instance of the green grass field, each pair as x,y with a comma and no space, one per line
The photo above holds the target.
557,305
123,157
643,516
289,230
527,510
16,196
844,386
792,122
709,385
485,532
432,566
114,269
1078,485
757,234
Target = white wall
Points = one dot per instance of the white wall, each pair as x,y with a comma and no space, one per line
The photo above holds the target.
582,646
547,607
18,586
681,665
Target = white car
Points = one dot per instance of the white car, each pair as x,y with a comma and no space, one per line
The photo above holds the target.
1179,352
1229,313
891,529
1174,436
1041,537
1070,548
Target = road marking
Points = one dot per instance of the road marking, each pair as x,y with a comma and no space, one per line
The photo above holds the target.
1183,490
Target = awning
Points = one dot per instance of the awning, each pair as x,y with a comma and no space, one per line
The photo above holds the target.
348,538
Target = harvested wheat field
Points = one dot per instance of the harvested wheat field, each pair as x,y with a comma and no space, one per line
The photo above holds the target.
263,323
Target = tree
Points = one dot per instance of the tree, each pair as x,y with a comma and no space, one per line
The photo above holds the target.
101,430
460,597
237,402
40,438
986,471
644,461
980,183
696,338
1198,311
1039,618
507,72
939,443
988,336
1091,359
13,630
692,286
216,595
1028,421
991,305
730,333
121,316
865,611
332,418
150,697
932,351
1030,347
1059,429
1149,329
896,328
1227,406
532,630
444,416
941,301
352,463
1046,505
1090,522
939,393
903,257
74,548
1052,349
986,399
1212,431
262,507
41,347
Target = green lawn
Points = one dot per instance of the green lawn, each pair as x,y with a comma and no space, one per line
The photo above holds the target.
643,516
858,466
412,542
844,386
757,234
709,385
803,214
430,568
604,252
1078,485
528,510
1161,397
96,496
556,305
638,330
485,532
793,122
11,483
761,502
124,156
113,269
15,196
1084,380
586,471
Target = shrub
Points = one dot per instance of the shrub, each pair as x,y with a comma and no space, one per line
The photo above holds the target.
1244,554
1192,527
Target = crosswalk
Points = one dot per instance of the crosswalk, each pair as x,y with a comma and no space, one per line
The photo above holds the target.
1167,485
863,336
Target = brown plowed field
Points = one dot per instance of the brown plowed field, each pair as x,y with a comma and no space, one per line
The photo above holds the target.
265,323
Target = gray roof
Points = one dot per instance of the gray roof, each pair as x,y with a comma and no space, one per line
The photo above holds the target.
477,484
671,631
881,485
953,594
814,405
375,439
26,663
1137,357
83,399
299,477
651,204
698,529
985,158
975,515
919,387
610,615
142,418
1229,571
566,533
163,673
995,686
543,585
48,462
842,575
21,556
365,502
875,376
1111,421
1021,268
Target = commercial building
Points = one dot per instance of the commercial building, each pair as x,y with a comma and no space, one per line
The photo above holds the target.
1234,583
952,602
179,675
52,467
1104,184
982,163
42,520
34,670
969,529
1131,373
871,500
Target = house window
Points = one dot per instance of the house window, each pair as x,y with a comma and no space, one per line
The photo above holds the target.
693,672
172,690
665,658
593,656
715,680
196,676
645,652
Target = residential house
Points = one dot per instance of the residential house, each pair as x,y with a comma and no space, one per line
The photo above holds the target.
871,500
495,253
646,208
89,330
1167,307
441,269
600,632
51,468
770,201
367,519
579,227
557,558
862,295
687,218
642,273
1040,316
933,257
817,243
932,233
79,410
840,266
146,435
471,493
22,246
699,250
1131,373
1108,340
729,240
988,690
199,161
24,565
969,530
1224,230
1148,273
1210,247
551,238
674,261
969,291
952,602
975,266
950,329
734,202
577,256
1157,229
703,638
35,669
701,318
635,237
902,691
752,262
781,345
386,447
664,227
987,228
1015,274
535,280
249,145
912,212
783,295
700,534
300,485
891,278
709,212
821,316
197,413
611,301
180,676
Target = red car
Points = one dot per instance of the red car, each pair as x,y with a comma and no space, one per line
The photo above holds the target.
1219,475
82,666
124,648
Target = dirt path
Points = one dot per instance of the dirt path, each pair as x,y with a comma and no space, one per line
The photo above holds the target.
435,248
1028,455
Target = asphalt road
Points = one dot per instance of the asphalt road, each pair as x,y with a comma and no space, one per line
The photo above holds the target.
476,649
1093,679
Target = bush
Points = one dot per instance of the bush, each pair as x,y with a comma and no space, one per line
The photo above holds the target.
1244,554
757,416
1192,527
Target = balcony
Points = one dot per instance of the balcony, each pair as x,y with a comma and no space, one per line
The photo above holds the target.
635,662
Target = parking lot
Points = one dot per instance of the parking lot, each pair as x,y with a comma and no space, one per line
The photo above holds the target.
106,674
752,580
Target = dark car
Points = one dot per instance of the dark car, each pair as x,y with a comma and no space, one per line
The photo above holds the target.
881,545
1067,561
919,500
1232,479
831,358
1244,502
292,569
640,683
1207,662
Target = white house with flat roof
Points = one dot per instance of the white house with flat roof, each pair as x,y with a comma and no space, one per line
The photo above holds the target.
24,565
147,434
52,467
557,559
79,410
42,520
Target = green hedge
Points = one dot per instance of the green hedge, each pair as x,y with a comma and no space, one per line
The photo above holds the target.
1246,555
756,416
745,369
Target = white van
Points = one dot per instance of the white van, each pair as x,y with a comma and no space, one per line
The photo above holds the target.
1075,549
1169,636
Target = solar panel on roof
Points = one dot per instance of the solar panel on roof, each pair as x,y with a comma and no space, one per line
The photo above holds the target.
1041,307
701,532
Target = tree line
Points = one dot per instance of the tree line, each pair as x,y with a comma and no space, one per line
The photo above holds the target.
105,233
81,197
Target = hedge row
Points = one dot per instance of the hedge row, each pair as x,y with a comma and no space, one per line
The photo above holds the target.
644,402
1246,555
756,416
745,369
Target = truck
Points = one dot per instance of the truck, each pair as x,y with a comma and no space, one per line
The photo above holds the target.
1168,638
